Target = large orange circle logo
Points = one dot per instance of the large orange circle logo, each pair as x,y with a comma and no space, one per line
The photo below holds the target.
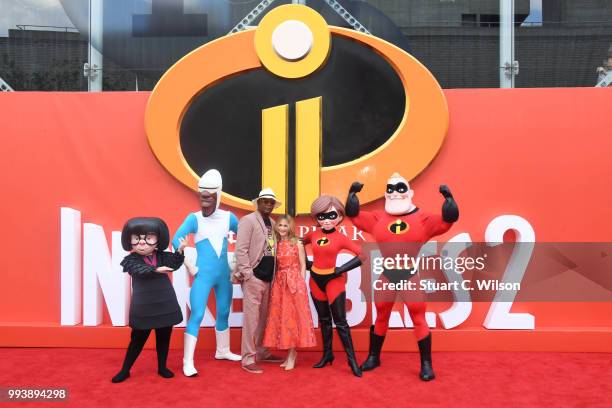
409,150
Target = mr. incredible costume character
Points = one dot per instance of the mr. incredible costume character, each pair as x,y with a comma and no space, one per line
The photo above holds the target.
401,222
210,227
327,282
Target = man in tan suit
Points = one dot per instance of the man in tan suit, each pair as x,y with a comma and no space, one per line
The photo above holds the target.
254,253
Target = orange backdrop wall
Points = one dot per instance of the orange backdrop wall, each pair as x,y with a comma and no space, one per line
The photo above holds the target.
543,154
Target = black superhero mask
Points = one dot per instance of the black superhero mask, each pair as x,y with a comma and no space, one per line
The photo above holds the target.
332,215
399,187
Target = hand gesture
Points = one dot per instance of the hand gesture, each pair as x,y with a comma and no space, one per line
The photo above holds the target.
192,269
450,210
182,244
237,277
351,208
163,269
355,187
445,191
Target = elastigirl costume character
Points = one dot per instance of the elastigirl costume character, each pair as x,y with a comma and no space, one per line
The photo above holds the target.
154,304
402,222
327,282
210,227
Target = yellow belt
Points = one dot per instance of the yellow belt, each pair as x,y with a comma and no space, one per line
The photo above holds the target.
321,271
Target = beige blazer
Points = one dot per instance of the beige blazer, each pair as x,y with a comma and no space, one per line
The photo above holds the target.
250,244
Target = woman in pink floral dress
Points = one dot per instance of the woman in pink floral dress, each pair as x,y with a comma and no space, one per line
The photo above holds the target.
289,324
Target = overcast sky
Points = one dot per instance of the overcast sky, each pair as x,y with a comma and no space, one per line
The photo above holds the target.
36,12
51,13
535,12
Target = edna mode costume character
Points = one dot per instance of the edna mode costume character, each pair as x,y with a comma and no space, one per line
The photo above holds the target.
210,227
327,282
153,304
401,221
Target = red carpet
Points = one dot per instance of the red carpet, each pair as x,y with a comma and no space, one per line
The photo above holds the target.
465,379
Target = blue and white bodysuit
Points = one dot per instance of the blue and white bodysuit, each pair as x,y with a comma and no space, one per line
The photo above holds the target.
210,236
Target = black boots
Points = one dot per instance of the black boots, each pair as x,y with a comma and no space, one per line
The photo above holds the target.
325,322
376,343
338,310
427,373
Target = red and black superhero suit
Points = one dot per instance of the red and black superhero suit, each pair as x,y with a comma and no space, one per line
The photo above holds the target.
327,288
415,226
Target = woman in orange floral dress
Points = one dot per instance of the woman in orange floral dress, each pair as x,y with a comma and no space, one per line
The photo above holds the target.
289,324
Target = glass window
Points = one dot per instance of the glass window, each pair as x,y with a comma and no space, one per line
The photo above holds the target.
129,44
40,47
458,41
564,43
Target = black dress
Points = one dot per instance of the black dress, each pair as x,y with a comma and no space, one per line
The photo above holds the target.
153,303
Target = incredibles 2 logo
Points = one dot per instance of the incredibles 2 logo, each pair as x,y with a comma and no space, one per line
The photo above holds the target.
299,106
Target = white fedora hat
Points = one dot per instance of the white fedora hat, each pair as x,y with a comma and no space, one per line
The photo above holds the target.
267,193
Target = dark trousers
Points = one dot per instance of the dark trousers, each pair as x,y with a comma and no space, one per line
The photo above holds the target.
138,339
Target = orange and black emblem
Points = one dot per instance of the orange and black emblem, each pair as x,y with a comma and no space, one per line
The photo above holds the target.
291,100
323,241
398,227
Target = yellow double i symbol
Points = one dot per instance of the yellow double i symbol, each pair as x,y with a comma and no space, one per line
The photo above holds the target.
275,153
277,159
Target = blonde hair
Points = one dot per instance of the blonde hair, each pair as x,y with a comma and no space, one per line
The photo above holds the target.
290,232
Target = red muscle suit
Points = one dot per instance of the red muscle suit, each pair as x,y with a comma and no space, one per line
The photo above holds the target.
401,222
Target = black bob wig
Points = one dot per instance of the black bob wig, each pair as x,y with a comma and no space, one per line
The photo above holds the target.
145,225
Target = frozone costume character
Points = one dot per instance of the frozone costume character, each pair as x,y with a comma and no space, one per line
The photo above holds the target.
327,281
154,304
210,227
402,222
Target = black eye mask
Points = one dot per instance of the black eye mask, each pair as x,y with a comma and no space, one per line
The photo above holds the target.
332,215
399,187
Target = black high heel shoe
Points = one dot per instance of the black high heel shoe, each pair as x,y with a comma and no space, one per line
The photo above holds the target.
325,360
